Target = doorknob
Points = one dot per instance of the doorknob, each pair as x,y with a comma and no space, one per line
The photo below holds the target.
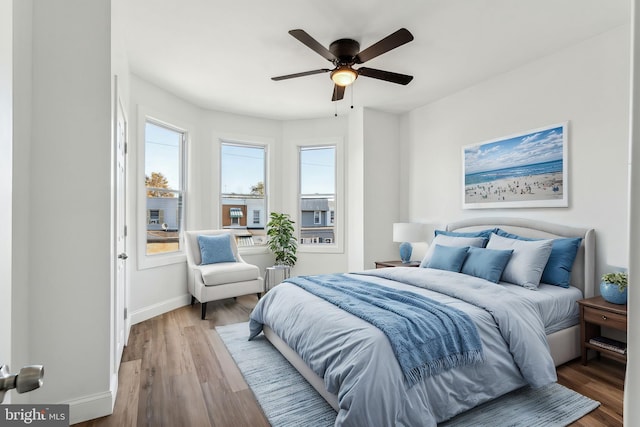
123,255
29,378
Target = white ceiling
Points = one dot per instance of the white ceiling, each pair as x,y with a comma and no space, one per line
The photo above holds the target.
220,55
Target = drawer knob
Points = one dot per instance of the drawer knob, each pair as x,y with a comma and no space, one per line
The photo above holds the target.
604,317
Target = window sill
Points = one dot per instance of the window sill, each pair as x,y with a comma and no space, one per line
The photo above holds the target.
255,250
328,249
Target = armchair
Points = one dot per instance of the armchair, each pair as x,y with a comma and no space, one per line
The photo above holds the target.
211,282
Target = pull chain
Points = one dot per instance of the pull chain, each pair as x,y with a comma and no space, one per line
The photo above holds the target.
352,89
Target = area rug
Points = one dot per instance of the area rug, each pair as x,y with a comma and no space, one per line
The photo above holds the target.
289,401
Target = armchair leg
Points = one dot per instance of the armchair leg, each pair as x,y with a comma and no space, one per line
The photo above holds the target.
193,300
204,309
259,295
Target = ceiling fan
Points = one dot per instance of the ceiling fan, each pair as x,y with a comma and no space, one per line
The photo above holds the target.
345,53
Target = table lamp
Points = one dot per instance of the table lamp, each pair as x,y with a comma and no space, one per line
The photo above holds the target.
405,233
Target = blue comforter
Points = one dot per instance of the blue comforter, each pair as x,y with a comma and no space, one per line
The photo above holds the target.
357,363
427,337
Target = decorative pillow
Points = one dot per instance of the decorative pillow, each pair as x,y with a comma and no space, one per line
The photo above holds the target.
563,254
482,233
443,240
448,258
215,248
486,263
527,262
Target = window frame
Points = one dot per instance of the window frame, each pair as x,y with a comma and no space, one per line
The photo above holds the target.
145,260
337,245
251,142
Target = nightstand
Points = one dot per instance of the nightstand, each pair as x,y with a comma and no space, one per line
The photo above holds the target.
594,313
384,264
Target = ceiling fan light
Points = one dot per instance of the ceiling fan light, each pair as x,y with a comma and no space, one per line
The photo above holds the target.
343,76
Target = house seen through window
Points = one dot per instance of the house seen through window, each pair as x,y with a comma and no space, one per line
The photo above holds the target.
243,201
164,182
317,195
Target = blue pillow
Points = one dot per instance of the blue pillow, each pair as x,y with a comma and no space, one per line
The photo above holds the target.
448,258
482,233
485,263
215,248
458,242
563,254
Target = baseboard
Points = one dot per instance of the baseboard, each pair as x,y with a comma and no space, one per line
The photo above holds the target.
90,407
154,310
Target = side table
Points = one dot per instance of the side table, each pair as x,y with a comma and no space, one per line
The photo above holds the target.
594,313
384,264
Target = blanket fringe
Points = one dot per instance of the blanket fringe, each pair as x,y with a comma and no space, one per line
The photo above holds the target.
435,367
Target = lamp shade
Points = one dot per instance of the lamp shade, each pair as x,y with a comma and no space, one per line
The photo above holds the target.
343,76
408,232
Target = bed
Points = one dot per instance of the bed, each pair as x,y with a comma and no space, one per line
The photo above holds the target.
347,361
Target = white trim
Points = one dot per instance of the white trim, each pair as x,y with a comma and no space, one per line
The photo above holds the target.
268,144
340,206
145,261
90,407
154,310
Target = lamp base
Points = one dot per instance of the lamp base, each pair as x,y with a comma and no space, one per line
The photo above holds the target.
405,252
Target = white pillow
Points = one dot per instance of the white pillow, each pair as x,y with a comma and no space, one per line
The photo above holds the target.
527,262
444,240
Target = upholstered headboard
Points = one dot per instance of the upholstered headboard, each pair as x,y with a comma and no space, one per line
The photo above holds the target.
583,272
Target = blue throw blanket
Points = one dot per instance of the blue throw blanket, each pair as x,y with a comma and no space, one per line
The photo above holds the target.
427,337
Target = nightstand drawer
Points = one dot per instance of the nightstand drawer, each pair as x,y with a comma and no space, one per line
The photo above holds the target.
605,318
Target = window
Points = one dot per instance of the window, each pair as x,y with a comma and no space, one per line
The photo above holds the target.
243,183
155,216
317,195
164,183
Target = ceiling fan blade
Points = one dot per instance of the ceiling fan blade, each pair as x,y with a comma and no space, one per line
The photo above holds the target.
388,43
338,93
306,73
313,44
401,79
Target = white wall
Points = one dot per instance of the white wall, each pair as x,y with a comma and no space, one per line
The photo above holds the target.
586,84
22,104
64,226
6,135
632,381
381,186
355,184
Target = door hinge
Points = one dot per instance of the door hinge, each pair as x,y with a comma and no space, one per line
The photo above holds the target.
126,148
126,313
126,230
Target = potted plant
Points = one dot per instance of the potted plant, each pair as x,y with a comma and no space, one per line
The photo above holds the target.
613,287
280,239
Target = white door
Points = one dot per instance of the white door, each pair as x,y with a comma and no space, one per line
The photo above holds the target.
120,314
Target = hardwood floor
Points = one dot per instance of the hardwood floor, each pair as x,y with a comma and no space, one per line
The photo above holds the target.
176,371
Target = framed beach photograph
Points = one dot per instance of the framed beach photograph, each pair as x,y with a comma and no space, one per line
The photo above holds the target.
524,170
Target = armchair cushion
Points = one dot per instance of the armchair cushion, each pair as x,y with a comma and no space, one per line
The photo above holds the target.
228,272
215,249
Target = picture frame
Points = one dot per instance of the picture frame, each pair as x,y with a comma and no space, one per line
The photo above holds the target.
524,170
